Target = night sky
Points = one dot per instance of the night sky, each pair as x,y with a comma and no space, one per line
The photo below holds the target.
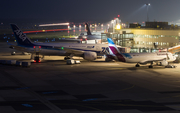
91,10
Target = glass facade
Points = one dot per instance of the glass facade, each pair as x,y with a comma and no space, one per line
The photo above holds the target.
142,42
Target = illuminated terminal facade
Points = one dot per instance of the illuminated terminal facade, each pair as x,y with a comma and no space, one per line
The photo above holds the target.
145,39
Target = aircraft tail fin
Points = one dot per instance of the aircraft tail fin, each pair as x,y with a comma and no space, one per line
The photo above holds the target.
21,38
88,30
114,51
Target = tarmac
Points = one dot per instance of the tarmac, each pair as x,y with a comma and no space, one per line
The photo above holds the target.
52,86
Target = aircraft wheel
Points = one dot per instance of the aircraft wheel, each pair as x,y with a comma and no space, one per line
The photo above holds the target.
150,66
36,59
137,65
65,58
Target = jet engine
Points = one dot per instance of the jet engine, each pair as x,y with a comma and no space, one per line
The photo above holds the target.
90,56
164,63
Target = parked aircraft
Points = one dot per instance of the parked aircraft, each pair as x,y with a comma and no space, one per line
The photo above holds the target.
140,58
90,36
87,51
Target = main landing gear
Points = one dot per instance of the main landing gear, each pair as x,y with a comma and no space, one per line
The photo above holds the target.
137,65
66,58
69,57
150,66
36,58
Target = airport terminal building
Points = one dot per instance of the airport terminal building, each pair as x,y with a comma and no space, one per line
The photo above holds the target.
145,39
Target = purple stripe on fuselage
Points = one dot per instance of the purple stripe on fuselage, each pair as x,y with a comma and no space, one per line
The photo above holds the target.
118,55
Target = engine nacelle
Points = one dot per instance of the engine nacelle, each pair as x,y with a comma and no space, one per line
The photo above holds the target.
164,63
90,56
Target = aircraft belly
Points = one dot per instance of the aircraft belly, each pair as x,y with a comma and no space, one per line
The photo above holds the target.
143,59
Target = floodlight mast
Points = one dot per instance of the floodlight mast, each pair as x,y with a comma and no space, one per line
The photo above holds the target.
148,4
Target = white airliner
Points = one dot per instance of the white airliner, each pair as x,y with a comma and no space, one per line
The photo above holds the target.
90,36
87,51
139,58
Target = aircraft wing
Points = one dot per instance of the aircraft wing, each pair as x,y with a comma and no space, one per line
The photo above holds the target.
174,49
68,50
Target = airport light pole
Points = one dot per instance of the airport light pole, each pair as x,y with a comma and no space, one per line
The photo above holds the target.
112,21
148,4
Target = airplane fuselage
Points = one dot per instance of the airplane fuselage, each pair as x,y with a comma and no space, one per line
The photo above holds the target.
143,57
58,49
